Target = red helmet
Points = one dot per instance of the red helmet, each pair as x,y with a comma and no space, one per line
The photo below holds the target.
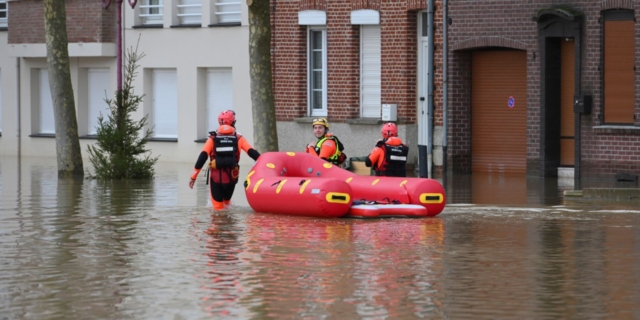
389,129
227,117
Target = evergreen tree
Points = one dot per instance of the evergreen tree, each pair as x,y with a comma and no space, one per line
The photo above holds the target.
120,152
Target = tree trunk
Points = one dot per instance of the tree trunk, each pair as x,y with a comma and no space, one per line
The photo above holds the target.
67,144
265,133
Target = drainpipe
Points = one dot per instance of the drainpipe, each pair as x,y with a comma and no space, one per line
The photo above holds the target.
430,87
18,128
445,78
425,166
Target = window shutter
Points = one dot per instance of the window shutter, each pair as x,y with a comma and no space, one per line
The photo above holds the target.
219,95
228,11
190,11
47,122
619,76
370,78
98,90
165,104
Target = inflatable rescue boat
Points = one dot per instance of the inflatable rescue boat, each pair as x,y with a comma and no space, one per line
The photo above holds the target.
297,183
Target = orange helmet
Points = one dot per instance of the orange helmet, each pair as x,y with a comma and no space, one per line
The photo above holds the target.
227,117
389,129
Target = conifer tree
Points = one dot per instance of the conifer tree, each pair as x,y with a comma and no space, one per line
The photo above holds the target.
120,152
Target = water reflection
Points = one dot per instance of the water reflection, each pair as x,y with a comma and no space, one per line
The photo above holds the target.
503,248
482,188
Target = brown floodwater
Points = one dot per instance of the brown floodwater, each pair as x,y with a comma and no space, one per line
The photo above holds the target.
504,247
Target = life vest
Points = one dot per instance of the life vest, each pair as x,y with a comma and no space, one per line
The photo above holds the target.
226,154
338,157
395,160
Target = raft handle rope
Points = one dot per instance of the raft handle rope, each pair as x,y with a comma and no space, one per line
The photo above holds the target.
276,183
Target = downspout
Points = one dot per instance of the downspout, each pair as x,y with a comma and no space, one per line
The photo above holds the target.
430,87
18,127
445,78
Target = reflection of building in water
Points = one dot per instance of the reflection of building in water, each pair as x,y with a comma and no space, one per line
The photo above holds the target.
400,264
306,256
344,268
484,188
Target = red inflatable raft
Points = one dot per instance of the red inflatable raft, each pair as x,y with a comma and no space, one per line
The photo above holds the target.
297,183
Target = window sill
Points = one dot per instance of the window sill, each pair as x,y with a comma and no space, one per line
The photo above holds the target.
365,121
4,28
163,139
148,26
228,24
89,137
42,135
186,26
203,140
609,129
307,119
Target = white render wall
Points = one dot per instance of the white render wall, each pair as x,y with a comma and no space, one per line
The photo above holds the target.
189,51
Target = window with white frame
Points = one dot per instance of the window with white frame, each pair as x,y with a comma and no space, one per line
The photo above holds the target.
227,11
151,11
165,104
190,12
317,72
219,94
4,13
370,69
47,122
98,90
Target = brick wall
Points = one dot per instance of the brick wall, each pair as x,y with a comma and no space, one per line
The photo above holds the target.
399,57
509,23
87,21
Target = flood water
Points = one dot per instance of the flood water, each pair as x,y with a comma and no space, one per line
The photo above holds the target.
503,248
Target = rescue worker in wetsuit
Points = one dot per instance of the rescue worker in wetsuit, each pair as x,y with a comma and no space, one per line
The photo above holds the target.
327,147
389,156
223,150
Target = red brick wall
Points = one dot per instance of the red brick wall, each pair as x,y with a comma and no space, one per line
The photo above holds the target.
399,58
87,21
289,60
510,24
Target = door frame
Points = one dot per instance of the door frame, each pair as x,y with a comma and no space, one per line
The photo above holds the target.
553,23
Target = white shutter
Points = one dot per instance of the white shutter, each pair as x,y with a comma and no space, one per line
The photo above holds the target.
219,95
370,72
228,11
98,90
47,122
165,104
190,11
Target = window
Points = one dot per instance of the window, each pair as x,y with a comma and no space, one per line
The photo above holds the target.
370,67
4,11
164,104
317,72
227,11
151,11
219,95
45,106
190,12
98,90
619,62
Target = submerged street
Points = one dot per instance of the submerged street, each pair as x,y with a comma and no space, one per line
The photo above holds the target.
504,247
